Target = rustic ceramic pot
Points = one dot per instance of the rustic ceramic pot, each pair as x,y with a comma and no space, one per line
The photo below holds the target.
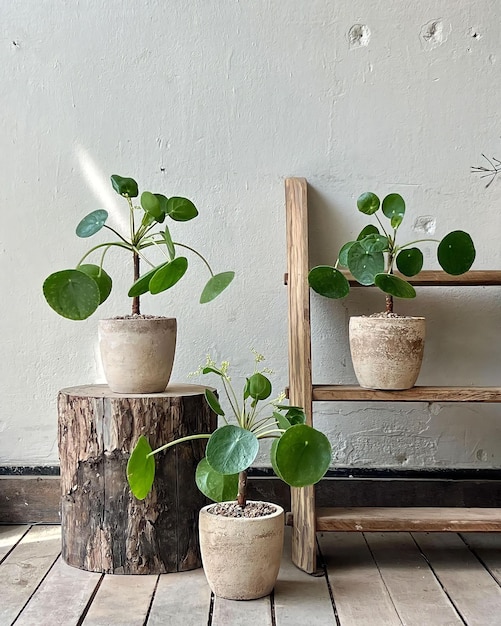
137,353
387,351
241,555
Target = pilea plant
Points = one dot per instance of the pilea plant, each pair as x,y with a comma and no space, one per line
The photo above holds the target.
300,455
77,293
372,258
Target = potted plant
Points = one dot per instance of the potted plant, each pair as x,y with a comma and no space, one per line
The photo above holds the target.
240,540
137,350
386,348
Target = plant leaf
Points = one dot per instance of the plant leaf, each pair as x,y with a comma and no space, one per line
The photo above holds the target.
141,469
328,281
410,261
142,284
343,254
102,279
124,186
91,223
231,449
456,252
394,286
72,294
370,229
364,265
151,204
215,286
273,458
394,208
374,243
259,387
217,487
169,243
168,275
213,402
181,209
368,203
302,455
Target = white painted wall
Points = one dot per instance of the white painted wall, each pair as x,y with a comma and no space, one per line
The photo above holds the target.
220,101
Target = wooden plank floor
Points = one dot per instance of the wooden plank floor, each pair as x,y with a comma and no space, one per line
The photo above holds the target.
367,579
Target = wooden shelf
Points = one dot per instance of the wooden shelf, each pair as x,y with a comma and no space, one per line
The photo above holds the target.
354,393
306,518
409,519
439,278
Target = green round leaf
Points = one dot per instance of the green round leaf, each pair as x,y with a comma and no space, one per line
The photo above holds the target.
364,265
328,281
124,186
231,449
163,205
216,285
410,261
213,402
168,275
394,208
343,254
273,458
374,243
302,456
394,286
370,229
368,203
142,284
217,487
151,205
456,252
258,386
141,469
102,279
181,209
92,223
72,294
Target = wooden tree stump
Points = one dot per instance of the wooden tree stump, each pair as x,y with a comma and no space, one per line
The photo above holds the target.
104,528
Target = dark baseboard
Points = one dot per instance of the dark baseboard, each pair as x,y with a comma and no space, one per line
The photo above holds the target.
31,495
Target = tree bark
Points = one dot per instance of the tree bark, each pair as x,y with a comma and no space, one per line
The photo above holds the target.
104,528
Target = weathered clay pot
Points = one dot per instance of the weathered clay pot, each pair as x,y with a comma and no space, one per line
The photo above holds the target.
137,353
240,555
387,351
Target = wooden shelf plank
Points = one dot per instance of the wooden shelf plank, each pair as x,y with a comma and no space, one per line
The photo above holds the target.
438,278
354,393
409,519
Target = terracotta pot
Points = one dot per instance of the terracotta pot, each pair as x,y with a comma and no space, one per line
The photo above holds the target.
241,555
387,351
137,353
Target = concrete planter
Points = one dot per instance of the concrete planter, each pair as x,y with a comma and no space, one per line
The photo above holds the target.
137,353
387,351
241,556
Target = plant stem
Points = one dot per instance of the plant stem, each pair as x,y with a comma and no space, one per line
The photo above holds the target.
389,304
182,245
135,299
174,443
242,489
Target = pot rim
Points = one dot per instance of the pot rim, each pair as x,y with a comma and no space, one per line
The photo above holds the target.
389,319
280,511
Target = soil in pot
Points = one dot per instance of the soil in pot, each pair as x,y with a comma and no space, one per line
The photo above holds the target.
241,548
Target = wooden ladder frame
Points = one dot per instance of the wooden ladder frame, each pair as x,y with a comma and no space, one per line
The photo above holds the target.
306,519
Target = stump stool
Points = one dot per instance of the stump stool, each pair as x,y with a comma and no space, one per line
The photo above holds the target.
104,528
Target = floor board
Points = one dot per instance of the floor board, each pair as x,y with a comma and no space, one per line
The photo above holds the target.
22,571
413,587
475,594
369,579
360,595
